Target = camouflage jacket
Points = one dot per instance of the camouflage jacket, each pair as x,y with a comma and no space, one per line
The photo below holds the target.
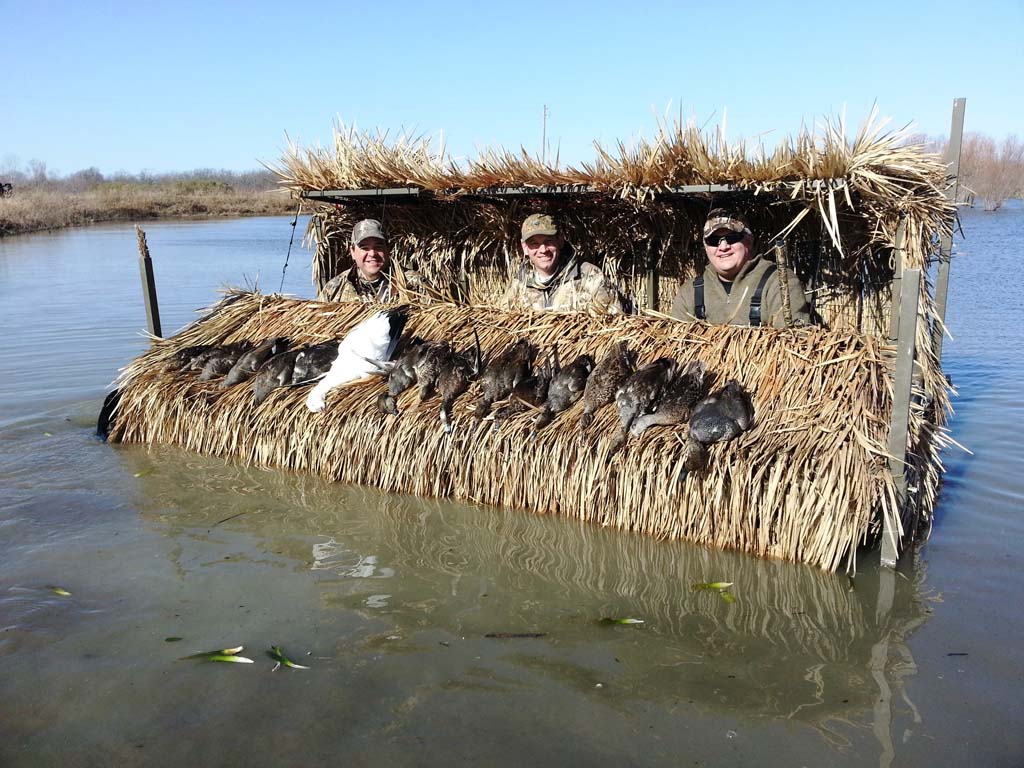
733,308
578,286
349,286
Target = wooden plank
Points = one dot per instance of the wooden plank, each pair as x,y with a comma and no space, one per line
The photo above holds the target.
899,426
148,285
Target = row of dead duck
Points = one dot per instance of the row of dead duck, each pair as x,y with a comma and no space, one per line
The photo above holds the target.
519,379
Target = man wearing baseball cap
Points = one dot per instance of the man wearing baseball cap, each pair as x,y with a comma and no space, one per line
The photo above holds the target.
372,276
738,287
553,278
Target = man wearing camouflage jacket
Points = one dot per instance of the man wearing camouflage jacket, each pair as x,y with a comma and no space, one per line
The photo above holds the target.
554,278
372,277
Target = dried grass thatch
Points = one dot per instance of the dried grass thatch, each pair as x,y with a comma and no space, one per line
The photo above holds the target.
838,199
808,484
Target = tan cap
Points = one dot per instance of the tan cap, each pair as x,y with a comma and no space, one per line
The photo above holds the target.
367,228
539,224
720,218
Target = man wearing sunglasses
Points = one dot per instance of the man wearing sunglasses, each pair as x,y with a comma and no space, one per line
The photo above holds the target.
553,278
738,287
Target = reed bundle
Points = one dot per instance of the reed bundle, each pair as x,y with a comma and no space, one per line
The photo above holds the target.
808,484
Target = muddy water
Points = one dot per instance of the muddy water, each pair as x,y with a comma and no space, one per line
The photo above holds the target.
390,600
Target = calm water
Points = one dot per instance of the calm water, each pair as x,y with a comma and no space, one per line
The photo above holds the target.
389,599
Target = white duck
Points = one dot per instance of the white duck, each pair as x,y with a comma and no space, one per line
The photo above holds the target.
364,352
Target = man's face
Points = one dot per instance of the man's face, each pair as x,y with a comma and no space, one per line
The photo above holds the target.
370,257
543,252
728,258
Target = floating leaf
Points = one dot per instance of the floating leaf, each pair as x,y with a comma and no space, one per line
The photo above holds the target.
234,659
716,585
172,639
58,590
211,654
610,621
277,655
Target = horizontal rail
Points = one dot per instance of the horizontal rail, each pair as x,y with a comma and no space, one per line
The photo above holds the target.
555,190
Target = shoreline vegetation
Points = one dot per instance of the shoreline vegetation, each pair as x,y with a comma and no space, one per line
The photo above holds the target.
37,202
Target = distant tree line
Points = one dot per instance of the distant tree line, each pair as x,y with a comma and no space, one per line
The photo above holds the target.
991,171
36,175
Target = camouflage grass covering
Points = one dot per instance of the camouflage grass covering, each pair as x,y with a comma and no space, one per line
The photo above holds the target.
808,484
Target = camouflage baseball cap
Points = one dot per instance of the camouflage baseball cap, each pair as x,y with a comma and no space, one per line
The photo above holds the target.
722,218
539,224
367,228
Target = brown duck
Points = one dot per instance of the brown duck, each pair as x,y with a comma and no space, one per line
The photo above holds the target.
608,375
677,400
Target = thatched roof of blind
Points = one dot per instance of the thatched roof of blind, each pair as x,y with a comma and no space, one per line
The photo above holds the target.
837,198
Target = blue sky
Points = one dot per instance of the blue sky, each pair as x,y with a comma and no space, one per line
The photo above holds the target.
176,86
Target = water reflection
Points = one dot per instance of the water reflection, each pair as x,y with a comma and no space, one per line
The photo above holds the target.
796,644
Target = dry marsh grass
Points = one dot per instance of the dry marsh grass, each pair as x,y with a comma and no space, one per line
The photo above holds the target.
33,210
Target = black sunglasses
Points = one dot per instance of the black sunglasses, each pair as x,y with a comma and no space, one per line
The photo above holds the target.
713,241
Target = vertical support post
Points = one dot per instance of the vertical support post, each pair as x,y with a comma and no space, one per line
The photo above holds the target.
897,280
782,263
956,135
148,285
652,274
651,287
905,317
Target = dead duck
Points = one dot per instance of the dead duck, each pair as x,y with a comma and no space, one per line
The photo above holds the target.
640,393
503,374
293,368
275,372
313,361
531,392
249,363
678,398
456,372
567,387
221,360
402,375
190,358
427,367
723,415
364,351
608,375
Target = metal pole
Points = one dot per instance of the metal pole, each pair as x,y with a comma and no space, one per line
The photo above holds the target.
956,135
899,426
148,285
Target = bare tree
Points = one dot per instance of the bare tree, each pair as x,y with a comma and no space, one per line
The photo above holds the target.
990,173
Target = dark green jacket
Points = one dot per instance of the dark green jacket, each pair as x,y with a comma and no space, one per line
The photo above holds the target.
733,308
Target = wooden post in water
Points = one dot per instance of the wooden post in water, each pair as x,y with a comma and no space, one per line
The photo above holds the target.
148,285
956,134
903,334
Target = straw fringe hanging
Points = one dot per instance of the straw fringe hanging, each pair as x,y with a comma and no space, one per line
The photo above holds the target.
807,484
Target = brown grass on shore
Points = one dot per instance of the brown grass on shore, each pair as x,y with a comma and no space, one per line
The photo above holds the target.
34,210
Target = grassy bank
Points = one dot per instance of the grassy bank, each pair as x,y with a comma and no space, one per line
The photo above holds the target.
42,208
